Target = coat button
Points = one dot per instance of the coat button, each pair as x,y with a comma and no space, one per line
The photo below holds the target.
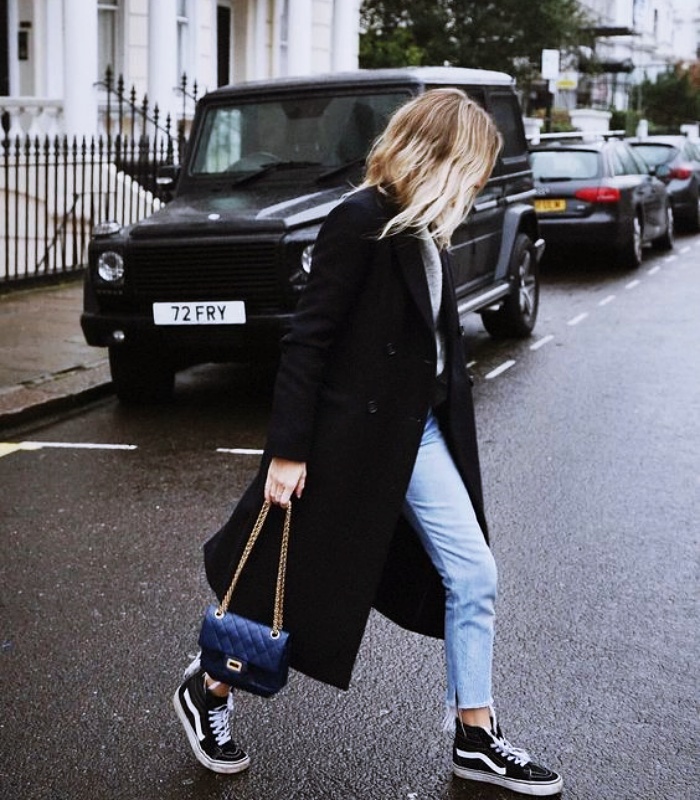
372,406
391,349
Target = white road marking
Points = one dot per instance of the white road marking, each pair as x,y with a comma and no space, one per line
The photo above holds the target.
632,284
12,447
607,300
669,259
541,342
499,370
685,250
577,319
240,451
653,270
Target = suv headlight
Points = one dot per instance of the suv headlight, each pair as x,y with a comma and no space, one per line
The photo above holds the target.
110,266
306,258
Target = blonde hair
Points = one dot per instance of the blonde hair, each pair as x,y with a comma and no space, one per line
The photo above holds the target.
432,159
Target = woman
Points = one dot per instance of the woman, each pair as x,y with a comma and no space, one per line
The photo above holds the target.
372,432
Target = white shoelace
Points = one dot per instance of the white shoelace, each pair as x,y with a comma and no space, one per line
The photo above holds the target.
505,748
219,719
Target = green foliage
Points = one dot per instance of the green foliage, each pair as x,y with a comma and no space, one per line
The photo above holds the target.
626,121
673,99
507,35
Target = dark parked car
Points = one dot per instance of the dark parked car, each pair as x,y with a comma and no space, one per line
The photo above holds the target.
676,161
215,274
600,194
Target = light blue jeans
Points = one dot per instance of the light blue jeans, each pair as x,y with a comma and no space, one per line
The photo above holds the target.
438,506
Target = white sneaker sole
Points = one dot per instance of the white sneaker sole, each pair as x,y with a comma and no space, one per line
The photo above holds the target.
541,789
215,766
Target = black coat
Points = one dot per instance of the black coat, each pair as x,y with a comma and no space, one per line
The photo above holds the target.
353,389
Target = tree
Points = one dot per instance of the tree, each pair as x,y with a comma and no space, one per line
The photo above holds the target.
507,35
673,99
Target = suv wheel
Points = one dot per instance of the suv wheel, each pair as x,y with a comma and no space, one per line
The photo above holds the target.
518,313
139,376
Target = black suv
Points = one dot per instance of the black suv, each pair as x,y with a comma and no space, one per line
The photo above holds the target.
215,274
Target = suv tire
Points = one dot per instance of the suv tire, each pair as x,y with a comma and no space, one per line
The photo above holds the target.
518,313
139,377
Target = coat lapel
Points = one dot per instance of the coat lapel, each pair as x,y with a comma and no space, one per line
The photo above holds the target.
411,263
449,306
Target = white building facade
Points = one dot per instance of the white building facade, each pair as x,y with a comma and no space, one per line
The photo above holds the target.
58,51
645,38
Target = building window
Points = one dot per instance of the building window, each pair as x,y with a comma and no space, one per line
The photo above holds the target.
108,52
223,45
183,39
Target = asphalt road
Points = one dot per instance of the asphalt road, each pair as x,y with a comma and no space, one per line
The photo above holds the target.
590,442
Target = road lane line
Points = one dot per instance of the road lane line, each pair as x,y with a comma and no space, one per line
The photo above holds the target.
685,250
633,284
669,259
499,370
240,451
541,342
12,447
579,318
607,300
653,270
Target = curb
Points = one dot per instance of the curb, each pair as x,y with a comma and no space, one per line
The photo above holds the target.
55,392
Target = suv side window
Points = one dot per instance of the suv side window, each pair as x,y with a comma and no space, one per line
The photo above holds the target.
505,110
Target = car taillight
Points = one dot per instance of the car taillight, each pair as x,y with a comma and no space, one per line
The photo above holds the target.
598,194
682,172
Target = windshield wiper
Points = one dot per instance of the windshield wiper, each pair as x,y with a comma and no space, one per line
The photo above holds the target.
333,171
272,166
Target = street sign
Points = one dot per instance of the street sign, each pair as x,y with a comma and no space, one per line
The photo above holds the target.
550,65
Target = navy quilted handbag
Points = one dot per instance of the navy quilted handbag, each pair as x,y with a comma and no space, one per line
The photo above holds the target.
245,654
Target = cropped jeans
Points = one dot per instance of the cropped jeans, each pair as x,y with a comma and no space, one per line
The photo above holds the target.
438,506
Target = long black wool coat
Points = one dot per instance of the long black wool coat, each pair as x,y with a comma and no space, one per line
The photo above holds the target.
352,393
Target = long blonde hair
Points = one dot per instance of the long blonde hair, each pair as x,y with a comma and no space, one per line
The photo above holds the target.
433,157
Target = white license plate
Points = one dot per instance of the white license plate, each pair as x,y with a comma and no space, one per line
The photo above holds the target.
223,312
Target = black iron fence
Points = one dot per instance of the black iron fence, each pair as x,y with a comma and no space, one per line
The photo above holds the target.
54,190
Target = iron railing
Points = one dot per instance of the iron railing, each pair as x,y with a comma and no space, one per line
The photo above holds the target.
55,189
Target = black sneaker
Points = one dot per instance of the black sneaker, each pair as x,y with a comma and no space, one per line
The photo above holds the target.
480,755
205,718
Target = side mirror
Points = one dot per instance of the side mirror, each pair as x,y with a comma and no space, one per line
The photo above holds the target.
663,171
167,175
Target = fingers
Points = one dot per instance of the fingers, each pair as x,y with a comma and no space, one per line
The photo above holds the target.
284,479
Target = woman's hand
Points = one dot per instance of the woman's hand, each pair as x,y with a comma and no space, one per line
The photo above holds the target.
284,479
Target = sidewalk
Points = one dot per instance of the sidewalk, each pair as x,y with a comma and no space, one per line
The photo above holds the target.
45,364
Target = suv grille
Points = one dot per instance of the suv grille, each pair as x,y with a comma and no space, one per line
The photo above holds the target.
206,271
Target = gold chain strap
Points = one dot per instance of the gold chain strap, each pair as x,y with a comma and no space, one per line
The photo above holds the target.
281,570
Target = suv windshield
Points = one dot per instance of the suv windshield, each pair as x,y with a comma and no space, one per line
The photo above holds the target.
325,130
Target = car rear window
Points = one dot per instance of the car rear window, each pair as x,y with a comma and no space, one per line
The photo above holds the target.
565,165
655,154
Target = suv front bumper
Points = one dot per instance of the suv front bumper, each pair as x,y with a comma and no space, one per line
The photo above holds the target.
259,336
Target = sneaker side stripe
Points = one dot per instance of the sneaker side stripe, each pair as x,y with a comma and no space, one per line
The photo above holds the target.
466,754
195,715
